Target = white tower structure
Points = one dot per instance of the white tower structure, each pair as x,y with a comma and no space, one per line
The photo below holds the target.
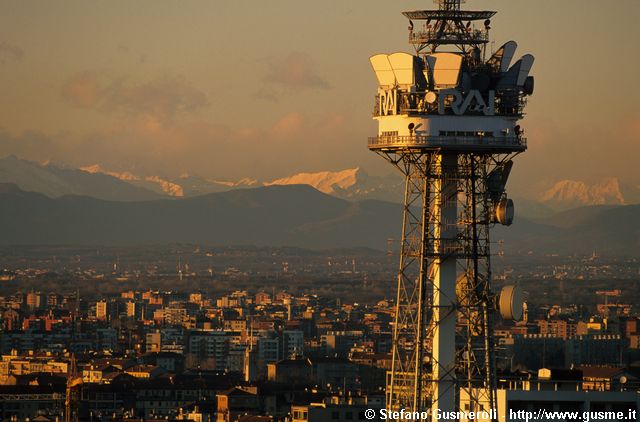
448,120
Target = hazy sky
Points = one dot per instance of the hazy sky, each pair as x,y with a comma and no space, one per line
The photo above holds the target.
262,89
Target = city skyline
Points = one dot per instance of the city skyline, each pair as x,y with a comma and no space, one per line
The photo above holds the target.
201,220
152,88
200,323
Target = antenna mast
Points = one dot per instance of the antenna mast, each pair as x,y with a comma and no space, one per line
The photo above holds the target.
449,26
447,119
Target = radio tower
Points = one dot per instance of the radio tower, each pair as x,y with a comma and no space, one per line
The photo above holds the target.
447,119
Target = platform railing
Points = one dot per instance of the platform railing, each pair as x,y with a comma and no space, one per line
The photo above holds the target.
518,142
475,36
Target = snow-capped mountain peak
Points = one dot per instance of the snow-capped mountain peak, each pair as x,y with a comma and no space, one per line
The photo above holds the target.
329,182
570,193
96,168
153,183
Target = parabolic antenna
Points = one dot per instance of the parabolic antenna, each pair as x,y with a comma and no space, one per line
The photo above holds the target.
528,85
517,75
403,65
501,59
527,64
384,71
497,180
505,211
446,69
511,303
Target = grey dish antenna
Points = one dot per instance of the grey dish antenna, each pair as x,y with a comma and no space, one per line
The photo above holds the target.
501,59
517,75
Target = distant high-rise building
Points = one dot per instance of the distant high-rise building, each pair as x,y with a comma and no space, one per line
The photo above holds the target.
102,310
53,299
131,309
174,316
128,294
154,341
10,320
34,300
195,298
293,343
263,298
209,349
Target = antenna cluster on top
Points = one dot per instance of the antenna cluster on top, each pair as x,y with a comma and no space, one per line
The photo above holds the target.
449,4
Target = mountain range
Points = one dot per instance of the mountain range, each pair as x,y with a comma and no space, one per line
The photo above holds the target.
183,186
94,180
566,194
295,215
56,180
283,215
47,203
352,184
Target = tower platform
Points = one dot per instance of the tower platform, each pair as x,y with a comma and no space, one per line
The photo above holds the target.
463,144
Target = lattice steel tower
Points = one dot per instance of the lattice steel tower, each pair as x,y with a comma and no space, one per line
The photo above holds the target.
448,121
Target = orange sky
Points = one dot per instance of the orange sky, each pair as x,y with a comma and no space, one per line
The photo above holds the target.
266,89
